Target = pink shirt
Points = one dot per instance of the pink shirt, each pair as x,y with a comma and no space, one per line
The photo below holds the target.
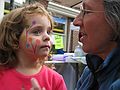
48,78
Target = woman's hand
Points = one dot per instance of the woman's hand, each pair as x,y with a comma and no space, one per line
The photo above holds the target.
35,85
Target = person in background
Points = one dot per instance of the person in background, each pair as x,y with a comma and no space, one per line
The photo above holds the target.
25,42
99,22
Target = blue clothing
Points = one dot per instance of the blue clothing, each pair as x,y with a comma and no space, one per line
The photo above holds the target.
101,74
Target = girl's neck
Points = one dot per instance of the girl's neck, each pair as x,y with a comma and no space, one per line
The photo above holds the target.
28,64
29,70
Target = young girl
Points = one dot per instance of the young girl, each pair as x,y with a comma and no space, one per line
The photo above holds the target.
24,45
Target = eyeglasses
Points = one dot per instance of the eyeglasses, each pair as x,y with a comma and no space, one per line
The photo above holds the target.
83,11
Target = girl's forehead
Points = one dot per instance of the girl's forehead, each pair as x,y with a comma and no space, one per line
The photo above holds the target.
33,18
38,20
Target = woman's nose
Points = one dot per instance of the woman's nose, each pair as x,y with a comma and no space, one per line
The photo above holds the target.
78,21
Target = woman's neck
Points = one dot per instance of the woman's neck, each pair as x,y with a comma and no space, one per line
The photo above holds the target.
107,51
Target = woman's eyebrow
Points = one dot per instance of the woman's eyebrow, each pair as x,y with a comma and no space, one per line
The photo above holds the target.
86,6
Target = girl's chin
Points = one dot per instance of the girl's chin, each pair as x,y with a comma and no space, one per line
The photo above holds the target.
44,55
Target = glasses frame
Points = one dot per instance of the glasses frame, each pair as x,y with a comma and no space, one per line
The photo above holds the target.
84,11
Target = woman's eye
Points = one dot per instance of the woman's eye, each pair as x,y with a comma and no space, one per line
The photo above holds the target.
87,12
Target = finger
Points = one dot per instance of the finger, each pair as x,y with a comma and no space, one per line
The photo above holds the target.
43,88
35,84
31,89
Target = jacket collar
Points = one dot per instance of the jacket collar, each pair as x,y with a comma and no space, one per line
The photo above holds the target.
93,62
96,63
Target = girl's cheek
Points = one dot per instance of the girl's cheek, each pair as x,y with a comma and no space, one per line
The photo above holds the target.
38,42
33,44
22,41
23,38
28,42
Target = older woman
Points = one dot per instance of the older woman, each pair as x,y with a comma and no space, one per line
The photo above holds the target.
99,22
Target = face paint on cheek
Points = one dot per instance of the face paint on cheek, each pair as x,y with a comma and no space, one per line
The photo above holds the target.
22,40
27,45
30,39
34,44
37,42
27,36
27,31
28,42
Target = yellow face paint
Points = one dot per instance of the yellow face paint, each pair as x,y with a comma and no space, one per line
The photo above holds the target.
30,39
23,38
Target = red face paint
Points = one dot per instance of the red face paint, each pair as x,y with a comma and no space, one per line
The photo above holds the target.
29,39
37,42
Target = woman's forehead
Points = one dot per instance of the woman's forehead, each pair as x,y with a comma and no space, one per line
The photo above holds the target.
95,1
92,3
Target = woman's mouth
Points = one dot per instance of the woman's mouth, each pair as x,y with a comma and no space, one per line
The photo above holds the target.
81,36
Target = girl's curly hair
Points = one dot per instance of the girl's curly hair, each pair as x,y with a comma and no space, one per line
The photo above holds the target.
11,28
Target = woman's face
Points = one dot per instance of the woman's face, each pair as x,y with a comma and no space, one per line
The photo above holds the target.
35,40
94,30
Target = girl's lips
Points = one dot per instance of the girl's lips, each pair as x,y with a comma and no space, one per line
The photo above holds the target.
44,46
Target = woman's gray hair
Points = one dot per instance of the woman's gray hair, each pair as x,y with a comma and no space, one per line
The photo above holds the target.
112,11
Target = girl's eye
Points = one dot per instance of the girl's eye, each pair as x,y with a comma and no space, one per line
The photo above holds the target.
49,32
37,32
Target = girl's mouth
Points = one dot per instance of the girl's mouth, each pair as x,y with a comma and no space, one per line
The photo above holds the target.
45,46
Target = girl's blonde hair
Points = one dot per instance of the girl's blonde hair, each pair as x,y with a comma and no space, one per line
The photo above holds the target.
11,28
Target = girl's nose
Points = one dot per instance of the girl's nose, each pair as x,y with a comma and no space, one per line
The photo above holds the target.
46,37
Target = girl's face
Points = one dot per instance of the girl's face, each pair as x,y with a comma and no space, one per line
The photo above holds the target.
95,32
35,41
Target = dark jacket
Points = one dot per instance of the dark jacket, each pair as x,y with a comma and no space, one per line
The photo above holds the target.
101,74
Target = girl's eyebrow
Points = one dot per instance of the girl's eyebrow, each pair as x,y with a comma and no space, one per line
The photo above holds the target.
36,26
39,26
32,27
